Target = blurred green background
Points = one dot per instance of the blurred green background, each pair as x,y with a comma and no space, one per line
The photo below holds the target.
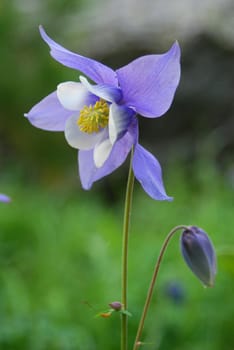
59,245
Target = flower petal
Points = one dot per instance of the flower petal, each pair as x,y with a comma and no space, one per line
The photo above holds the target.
79,139
120,118
101,152
49,114
4,198
97,71
74,96
108,93
148,172
89,173
149,82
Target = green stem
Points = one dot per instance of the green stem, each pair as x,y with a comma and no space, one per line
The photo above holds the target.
126,225
137,342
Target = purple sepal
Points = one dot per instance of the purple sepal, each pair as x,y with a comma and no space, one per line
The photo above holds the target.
96,71
88,171
49,114
147,171
149,82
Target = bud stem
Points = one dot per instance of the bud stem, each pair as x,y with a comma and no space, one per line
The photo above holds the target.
137,342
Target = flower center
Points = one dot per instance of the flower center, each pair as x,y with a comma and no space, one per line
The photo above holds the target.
94,118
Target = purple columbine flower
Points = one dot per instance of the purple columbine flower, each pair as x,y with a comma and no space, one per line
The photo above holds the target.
199,254
100,119
4,198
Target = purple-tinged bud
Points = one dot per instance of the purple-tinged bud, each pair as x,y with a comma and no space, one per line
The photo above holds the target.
116,305
199,254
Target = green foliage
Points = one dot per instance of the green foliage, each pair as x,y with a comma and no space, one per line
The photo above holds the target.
60,266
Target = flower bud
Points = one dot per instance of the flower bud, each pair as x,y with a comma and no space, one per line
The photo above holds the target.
199,254
116,305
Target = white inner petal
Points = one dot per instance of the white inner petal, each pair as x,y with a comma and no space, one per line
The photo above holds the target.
113,132
118,121
72,96
79,139
103,91
102,152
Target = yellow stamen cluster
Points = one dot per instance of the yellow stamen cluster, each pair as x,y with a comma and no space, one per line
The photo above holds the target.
93,118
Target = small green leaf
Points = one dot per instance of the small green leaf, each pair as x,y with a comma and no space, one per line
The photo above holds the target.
126,312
